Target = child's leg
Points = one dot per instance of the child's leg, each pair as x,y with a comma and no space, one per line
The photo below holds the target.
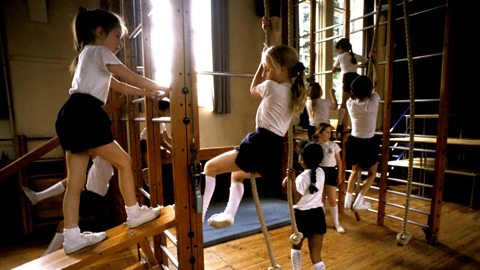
351,186
360,203
210,182
73,239
120,159
53,190
56,242
342,111
315,243
331,192
227,217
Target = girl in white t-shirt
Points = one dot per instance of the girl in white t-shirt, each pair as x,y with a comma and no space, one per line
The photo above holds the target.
309,213
280,83
347,62
332,166
83,127
318,108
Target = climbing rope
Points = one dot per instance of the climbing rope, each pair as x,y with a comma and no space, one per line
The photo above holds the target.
404,236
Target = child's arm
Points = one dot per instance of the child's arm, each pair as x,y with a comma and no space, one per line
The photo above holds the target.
257,79
340,168
334,98
134,83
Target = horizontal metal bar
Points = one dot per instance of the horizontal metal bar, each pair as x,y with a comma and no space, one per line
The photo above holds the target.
227,74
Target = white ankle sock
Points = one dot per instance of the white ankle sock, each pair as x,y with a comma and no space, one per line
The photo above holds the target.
54,190
296,256
236,194
55,244
319,266
133,211
359,199
348,199
210,182
71,234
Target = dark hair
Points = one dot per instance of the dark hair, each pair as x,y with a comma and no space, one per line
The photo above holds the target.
163,105
361,87
85,23
314,91
345,45
312,156
286,56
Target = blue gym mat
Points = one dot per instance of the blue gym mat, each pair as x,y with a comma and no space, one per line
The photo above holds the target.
275,214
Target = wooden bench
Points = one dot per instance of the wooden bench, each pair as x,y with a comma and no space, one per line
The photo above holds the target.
118,239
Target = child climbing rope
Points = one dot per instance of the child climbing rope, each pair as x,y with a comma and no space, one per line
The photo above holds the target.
280,82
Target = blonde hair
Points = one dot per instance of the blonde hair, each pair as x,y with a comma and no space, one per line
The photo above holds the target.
285,56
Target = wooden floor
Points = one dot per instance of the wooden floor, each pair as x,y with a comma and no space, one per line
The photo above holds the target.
364,246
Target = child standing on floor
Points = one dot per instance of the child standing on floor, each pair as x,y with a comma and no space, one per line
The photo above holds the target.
83,127
362,147
347,62
318,109
332,166
280,83
309,213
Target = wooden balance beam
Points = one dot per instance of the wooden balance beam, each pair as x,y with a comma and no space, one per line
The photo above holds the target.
118,238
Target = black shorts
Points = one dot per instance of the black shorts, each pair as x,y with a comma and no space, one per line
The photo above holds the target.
347,81
311,221
363,152
261,152
331,176
82,124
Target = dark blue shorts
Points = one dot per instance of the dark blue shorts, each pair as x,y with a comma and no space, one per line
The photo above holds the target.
82,124
262,152
363,152
311,221
331,176
347,81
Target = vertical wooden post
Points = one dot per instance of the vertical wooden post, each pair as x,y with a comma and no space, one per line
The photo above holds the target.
184,114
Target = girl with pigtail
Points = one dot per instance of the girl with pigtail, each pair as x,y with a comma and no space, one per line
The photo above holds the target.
309,213
347,62
280,82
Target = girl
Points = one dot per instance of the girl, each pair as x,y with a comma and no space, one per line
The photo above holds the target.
318,109
280,83
348,62
333,175
309,209
83,127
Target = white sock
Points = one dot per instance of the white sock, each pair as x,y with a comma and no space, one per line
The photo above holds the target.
348,199
319,266
236,194
55,244
296,255
71,234
341,115
334,213
359,199
54,190
133,211
210,182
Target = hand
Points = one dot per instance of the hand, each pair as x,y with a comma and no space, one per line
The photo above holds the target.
266,23
158,94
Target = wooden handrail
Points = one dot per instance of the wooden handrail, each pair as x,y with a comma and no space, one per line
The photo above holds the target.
28,158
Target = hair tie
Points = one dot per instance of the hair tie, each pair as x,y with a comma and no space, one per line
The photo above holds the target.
299,67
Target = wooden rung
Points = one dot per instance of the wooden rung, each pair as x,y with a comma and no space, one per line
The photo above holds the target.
428,164
118,238
457,141
423,116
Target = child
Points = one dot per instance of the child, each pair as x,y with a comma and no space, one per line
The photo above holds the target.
362,147
280,82
318,109
332,166
83,127
348,62
98,177
309,213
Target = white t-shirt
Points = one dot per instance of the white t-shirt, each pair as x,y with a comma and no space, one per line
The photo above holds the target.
302,182
363,115
274,112
330,149
321,111
91,75
344,62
